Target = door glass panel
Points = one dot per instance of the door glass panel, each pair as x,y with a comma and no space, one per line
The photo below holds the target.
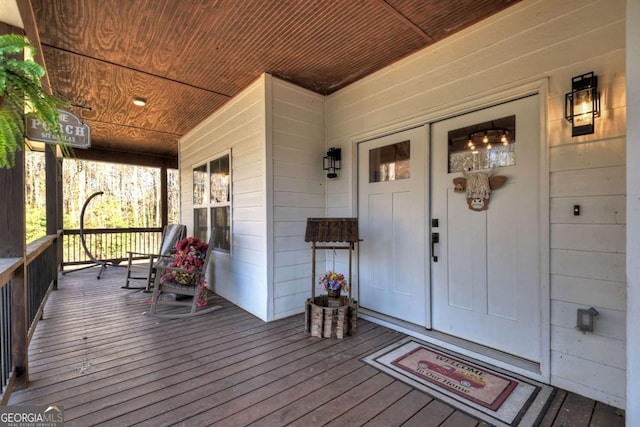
390,163
483,145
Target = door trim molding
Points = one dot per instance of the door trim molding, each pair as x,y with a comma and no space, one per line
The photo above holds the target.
479,101
545,219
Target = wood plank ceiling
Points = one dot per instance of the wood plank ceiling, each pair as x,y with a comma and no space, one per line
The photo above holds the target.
187,58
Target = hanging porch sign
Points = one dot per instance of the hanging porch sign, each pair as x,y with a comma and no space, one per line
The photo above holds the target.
76,133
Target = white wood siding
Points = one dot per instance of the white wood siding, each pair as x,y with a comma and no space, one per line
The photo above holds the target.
633,209
528,42
276,133
588,252
298,190
240,277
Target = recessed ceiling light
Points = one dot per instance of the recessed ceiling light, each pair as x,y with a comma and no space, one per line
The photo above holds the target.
140,102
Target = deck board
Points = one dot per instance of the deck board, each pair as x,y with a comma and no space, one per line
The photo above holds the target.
553,409
606,416
575,412
344,401
219,397
371,407
432,415
459,419
317,371
401,410
95,354
322,390
176,380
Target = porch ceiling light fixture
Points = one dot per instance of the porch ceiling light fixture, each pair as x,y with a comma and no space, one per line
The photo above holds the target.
140,102
331,162
582,104
488,137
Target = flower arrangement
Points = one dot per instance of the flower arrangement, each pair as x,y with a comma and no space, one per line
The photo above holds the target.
331,281
190,256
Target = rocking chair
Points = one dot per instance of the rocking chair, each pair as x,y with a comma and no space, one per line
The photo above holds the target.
171,235
162,287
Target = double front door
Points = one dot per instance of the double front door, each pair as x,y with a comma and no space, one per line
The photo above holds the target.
426,257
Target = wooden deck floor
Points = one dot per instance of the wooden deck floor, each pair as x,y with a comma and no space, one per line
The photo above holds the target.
95,354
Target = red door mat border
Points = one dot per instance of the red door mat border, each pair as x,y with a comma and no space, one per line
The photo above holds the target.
465,379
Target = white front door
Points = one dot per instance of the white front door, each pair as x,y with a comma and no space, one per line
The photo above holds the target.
486,279
392,205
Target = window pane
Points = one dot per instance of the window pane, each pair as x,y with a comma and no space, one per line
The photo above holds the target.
390,163
199,185
483,145
173,195
220,180
221,228
200,223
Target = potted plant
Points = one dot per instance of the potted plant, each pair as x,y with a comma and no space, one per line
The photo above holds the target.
21,91
187,266
333,283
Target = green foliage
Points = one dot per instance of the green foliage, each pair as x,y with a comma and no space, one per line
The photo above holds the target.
36,225
34,192
131,199
20,87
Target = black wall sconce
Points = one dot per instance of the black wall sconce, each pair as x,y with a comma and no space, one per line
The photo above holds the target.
331,162
582,104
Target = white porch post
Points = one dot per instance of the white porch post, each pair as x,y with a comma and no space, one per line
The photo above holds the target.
633,212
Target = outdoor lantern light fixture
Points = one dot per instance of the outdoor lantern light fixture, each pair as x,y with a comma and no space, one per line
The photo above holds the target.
582,104
331,162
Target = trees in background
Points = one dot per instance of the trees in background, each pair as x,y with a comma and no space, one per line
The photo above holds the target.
131,195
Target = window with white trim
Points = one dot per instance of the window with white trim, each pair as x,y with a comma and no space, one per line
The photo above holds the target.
212,202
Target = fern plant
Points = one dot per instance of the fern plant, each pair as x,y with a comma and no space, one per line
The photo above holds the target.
20,89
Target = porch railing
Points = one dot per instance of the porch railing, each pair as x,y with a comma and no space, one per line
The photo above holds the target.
23,300
109,244
6,342
41,275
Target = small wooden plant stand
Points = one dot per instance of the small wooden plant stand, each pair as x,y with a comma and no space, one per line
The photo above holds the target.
330,317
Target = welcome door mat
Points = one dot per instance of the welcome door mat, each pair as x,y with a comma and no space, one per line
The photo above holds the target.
486,392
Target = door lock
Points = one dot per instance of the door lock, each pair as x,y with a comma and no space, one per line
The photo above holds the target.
435,238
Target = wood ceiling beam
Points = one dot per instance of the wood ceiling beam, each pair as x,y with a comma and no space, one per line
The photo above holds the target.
31,31
127,158
407,21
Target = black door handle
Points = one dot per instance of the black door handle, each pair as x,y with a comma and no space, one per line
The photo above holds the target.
435,238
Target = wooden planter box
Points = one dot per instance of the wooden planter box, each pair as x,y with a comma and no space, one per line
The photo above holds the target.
330,317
